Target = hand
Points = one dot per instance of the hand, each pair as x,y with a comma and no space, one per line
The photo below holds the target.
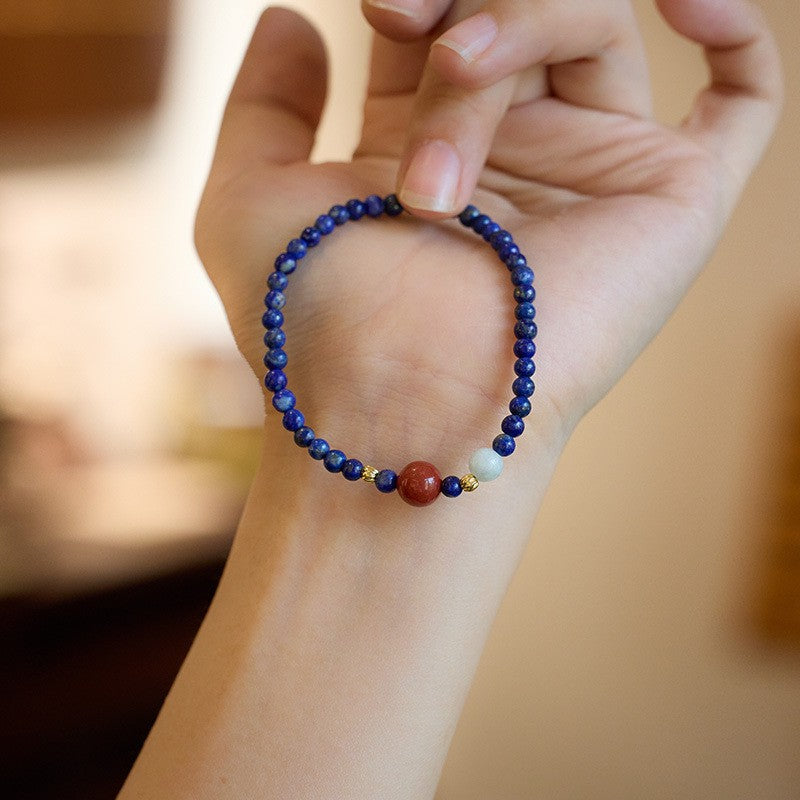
399,333
336,655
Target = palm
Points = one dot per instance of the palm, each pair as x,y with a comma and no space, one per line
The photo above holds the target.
404,314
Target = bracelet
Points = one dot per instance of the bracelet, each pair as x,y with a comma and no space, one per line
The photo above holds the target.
419,483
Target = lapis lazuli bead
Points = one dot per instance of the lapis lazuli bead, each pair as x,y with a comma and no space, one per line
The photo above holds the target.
274,337
275,380
272,318
334,460
525,330
303,436
297,248
391,205
386,481
499,238
506,251
524,348
516,260
352,469
276,358
338,214
512,425
504,445
523,386
283,400
318,449
480,223
451,486
520,406
490,230
468,215
355,208
525,293
286,263
525,311
277,280
311,236
325,224
275,299
293,419
521,276
524,367
373,205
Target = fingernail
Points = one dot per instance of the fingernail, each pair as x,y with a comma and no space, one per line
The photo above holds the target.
471,37
408,8
431,180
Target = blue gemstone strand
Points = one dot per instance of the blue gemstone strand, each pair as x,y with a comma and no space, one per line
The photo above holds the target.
485,462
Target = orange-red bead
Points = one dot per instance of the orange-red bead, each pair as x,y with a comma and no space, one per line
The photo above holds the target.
419,483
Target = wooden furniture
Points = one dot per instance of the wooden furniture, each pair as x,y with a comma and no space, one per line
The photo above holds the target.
82,679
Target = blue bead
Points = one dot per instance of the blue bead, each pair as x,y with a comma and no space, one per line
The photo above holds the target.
352,469
504,445
525,293
516,260
374,205
283,400
506,251
523,387
500,238
490,230
524,367
525,330
286,263
468,215
275,299
272,318
520,406
275,380
480,223
338,214
318,449
451,486
303,436
355,208
334,460
325,224
512,425
525,311
524,348
276,358
311,236
391,205
297,248
277,280
293,419
386,481
521,276
274,337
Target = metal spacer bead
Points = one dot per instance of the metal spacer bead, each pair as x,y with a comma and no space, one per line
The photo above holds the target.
369,474
469,483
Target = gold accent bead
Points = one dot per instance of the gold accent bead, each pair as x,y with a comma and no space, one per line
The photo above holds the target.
469,483
369,474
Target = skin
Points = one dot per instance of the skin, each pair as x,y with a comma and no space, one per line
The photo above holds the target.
337,653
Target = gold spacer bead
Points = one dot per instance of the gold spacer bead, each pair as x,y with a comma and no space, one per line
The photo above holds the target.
469,483
369,474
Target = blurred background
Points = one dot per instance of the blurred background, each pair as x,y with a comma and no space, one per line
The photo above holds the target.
650,645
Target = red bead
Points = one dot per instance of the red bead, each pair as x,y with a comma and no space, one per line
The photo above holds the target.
419,483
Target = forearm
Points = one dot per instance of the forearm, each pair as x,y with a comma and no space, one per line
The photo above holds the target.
337,654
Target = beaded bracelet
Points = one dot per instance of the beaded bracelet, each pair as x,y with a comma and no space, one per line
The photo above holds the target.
419,483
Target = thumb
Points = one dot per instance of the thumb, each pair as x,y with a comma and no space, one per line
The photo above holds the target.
277,98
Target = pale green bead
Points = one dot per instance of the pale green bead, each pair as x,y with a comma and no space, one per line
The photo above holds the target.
485,464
